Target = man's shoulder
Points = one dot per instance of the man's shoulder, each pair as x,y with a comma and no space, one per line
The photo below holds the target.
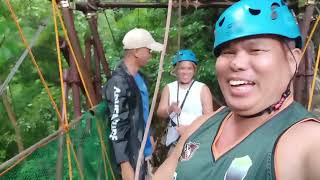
306,130
299,145
114,83
118,75
115,79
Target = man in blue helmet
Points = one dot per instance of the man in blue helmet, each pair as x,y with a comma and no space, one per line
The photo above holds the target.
262,133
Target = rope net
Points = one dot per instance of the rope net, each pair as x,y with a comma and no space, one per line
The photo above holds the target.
50,161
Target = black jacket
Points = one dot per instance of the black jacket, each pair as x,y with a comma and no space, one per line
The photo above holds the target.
126,114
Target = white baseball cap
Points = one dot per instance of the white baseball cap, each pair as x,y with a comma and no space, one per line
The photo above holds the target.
139,38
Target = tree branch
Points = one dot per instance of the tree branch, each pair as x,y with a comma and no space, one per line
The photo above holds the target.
2,40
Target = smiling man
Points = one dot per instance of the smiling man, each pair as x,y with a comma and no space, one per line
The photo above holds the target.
128,107
262,133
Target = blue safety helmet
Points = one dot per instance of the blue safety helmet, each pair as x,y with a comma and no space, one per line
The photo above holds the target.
256,17
184,55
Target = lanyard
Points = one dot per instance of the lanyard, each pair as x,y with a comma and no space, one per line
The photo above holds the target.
184,99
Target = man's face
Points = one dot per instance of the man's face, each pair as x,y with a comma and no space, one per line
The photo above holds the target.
143,56
253,73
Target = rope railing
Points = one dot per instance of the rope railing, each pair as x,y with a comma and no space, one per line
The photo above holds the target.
11,163
34,62
316,67
103,147
73,55
13,71
14,161
315,70
24,155
179,24
310,37
64,106
155,95
80,72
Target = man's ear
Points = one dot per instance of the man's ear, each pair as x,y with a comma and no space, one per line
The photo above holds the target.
294,58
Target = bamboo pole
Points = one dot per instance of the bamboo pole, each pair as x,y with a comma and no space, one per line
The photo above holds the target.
179,24
316,67
301,86
13,71
75,43
97,76
83,6
92,20
61,141
6,166
13,120
155,95
25,153
21,156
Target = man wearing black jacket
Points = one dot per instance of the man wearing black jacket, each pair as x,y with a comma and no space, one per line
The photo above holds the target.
125,102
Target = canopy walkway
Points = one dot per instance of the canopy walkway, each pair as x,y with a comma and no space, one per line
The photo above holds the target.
80,149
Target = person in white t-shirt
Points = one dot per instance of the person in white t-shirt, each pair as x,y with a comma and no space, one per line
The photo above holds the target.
185,99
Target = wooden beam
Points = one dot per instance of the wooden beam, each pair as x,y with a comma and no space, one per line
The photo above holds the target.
84,6
25,153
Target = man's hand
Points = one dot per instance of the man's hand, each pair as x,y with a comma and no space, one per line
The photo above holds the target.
181,129
127,172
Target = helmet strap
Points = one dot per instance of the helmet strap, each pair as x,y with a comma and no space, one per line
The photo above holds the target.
273,107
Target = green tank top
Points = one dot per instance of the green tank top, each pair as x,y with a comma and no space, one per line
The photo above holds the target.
251,159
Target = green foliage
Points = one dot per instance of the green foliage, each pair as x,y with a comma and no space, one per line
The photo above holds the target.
31,105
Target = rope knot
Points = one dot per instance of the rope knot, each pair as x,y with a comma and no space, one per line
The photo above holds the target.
66,128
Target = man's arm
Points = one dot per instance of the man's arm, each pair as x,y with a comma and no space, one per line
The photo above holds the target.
127,172
313,157
206,100
297,152
163,108
117,100
167,169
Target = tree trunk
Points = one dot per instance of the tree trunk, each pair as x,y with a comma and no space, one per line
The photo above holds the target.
13,120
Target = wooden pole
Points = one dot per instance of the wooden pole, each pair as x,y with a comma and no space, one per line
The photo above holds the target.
25,153
75,82
61,142
85,74
83,6
155,95
13,120
301,87
97,76
92,20
21,156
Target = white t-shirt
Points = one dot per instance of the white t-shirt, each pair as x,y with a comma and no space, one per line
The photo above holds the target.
191,109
